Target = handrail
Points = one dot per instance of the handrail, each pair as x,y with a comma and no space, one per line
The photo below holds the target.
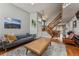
52,24
53,21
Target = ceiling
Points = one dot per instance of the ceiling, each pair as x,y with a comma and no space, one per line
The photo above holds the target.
69,12
50,9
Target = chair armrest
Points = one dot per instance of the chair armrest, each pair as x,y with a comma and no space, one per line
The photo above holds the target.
68,41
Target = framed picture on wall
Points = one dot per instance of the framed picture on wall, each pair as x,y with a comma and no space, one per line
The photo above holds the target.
74,24
12,23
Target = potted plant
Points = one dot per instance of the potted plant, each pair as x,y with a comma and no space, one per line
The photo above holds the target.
33,23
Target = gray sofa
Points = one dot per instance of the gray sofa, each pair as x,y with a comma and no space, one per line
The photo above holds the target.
21,39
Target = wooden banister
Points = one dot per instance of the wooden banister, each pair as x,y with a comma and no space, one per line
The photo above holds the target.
52,24
58,17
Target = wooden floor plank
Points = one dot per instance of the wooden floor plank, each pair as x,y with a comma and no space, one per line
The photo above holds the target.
72,51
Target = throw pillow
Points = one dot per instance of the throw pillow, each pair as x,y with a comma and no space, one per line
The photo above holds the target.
10,38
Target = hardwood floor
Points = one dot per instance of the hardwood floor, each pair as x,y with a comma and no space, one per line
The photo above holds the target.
72,50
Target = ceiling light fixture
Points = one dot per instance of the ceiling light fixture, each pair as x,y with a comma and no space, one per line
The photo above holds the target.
44,19
44,16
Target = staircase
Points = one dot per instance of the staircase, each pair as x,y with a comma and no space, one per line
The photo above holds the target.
52,24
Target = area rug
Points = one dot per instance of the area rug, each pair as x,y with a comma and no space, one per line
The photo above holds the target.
56,49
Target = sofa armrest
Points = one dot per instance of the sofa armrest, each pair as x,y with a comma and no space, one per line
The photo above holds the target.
69,41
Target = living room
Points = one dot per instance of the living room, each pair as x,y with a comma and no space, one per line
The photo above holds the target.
20,22
28,26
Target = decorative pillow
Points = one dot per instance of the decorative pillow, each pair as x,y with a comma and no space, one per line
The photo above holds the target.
10,38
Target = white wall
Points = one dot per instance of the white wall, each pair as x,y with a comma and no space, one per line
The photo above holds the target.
69,25
76,30
33,30
9,10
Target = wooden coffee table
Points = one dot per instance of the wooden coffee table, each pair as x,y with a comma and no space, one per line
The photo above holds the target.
38,46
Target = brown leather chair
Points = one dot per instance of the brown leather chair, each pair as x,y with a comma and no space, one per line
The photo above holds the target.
69,41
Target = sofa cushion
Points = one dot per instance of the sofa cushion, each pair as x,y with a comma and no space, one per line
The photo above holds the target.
69,41
27,34
22,36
